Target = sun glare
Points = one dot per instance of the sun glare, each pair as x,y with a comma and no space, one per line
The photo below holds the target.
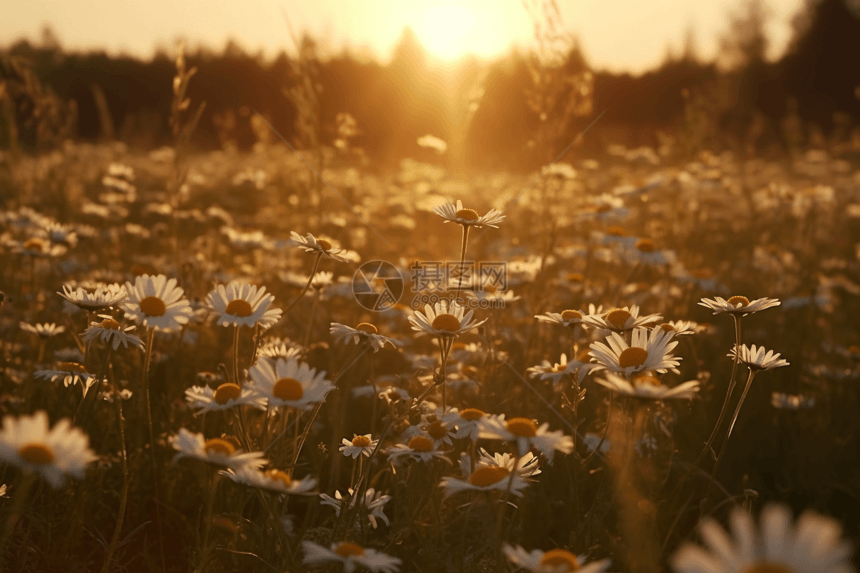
449,31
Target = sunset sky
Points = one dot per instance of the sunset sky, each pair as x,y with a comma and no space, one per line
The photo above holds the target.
616,34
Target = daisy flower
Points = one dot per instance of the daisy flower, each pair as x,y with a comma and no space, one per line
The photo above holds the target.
217,451
351,556
272,480
111,332
311,244
242,304
226,396
443,319
621,319
581,365
358,446
564,318
419,448
738,305
485,477
38,247
440,431
279,348
288,382
29,444
363,331
466,421
157,302
648,387
525,433
468,217
812,544
552,561
646,352
373,503
102,298
681,327
44,331
70,373
758,358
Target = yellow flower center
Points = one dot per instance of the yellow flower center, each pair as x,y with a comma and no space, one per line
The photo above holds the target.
739,301
227,392
219,446
617,231
569,314
420,444
288,389
768,568
325,245
487,475
468,215
522,427
367,327
437,430
618,317
153,306
239,307
633,356
36,454
472,414
71,367
646,245
347,549
110,324
575,277
666,327
556,558
446,322
361,441
584,356
646,381
278,475
34,244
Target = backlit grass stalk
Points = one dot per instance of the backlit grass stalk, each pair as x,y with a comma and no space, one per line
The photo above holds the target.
125,484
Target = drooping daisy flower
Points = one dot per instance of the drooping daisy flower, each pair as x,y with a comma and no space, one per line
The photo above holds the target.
270,480
374,501
648,387
621,319
70,373
552,561
468,217
646,352
242,304
567,317
681,327
581,365
311,244
350,555
525,434
111,332
739,305
419,448
288,382
364,331
485,477
156,301
217,451
226,396
812,544
358,446
443,319
43,331
279,348
102,298
527,465
29,444
758,358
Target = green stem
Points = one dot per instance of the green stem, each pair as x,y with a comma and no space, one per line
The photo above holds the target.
307,286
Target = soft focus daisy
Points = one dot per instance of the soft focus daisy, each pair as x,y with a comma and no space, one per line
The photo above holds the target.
288,382
226,396
358,446
29,444
581,365
311,244
157,302
103,297
111,332
567,317
621,319
439,430
812,544
466,421
374,501
363,331
70,373
552,561
43,331
468,217
648,387
443,319
758,358
646,352
272,480
242,304
485,477
739,305
217,451
419,448
350,555
525,434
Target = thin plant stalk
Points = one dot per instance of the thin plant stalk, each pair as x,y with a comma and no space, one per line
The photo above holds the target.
463,243
19,501
147,405
125,484
307,286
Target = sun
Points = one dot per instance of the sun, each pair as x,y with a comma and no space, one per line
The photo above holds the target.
449,31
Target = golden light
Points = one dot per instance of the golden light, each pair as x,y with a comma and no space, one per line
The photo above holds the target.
449,31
